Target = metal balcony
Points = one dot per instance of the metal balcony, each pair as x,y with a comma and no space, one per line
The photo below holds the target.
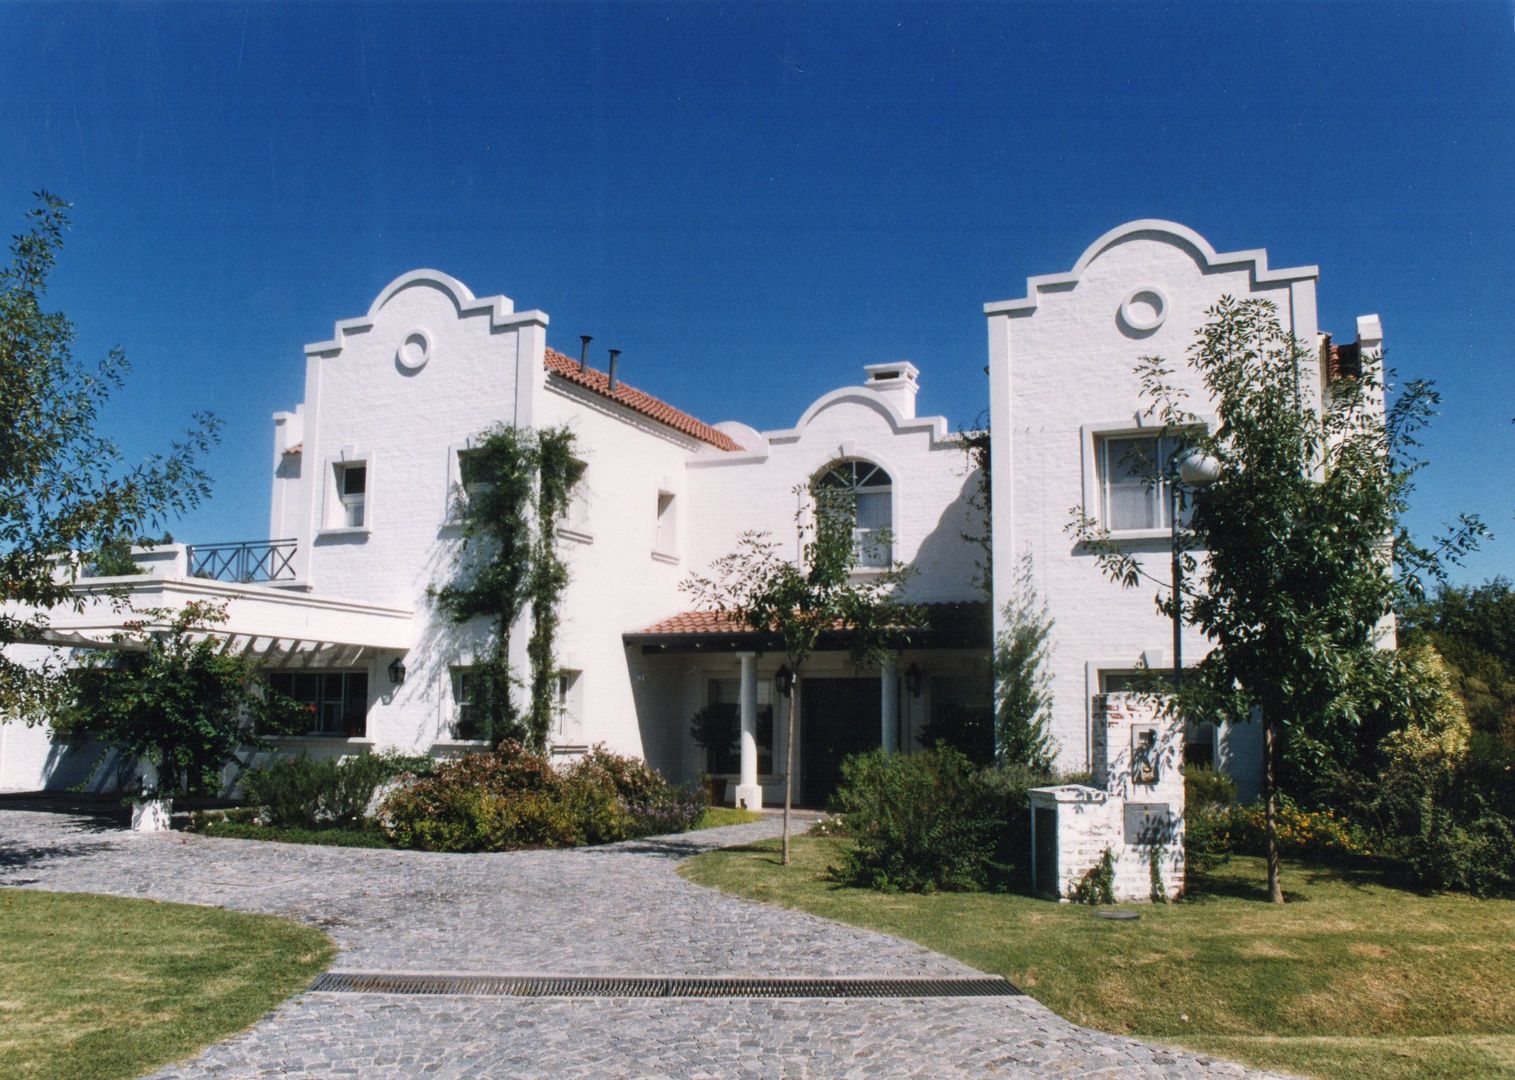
247,562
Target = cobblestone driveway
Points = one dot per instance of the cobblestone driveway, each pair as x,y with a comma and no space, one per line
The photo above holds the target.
618,910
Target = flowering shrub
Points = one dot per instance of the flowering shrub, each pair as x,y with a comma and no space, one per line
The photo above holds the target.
1213,832
828,825
514,798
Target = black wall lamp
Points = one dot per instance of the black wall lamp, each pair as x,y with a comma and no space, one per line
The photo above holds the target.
783,678
913,680
396,671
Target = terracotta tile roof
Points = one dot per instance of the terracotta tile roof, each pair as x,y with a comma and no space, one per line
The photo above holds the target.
964,622
1341,361
1346,361
567,368
697,622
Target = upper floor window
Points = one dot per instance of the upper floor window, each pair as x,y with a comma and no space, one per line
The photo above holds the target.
352,495
471,475
1135,481
666,534
871,493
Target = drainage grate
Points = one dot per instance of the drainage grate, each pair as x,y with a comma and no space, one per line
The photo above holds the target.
599,986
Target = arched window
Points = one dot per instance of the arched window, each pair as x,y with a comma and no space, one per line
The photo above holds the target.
870,491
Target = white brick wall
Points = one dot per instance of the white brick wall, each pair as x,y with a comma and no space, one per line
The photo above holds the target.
1062,359
931,488
1092,818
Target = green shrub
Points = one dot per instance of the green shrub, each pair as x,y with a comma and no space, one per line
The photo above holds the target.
1474,855
514,798
1213,832
1005,788
303,793
1208,798
1206,787
920,822
1207,836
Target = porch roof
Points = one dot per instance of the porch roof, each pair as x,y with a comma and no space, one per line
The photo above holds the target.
278,627
949,625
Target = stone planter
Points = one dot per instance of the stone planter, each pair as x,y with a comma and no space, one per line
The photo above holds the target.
151,815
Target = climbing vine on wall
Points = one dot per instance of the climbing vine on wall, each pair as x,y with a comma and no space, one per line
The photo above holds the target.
517,485
560,473
975,444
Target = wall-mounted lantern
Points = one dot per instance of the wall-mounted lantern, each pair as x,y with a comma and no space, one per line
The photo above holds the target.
783,678
396,671
913,680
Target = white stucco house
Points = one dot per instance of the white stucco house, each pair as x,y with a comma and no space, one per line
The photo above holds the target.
362,523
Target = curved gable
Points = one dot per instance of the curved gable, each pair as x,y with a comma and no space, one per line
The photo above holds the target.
1255,261
500,309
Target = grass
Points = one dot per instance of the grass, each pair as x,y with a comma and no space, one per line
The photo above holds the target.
716,816
1353,978
99,986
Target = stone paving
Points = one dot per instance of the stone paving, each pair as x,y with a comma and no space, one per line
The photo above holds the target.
618,910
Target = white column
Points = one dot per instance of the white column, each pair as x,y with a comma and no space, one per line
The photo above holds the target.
889,711
748,793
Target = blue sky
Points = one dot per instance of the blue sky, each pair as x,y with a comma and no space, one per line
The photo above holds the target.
752,201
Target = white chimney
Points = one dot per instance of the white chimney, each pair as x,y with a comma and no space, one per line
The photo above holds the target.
896,382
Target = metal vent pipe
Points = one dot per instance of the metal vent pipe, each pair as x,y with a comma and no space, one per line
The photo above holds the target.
584,340
615,359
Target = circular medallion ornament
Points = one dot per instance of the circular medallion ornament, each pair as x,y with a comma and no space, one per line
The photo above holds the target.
414,351
1145,309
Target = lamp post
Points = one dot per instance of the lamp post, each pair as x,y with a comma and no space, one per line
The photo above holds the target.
1195,471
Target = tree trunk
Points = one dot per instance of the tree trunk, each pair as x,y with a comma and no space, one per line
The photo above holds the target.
794,707
1270,813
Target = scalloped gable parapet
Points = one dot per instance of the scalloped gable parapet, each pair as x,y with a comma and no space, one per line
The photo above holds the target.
1255,259
501,309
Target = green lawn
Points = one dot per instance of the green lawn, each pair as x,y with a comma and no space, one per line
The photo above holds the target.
1353,978
716,816
98,986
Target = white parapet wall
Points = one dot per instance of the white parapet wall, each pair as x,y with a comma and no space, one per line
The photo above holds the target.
1134,809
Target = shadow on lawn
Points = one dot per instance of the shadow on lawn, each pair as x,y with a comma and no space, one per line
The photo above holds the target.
1359,875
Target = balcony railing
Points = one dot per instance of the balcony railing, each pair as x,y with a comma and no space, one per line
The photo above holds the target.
247,561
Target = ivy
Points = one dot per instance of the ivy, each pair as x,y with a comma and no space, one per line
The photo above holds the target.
560,473
518,485
1098,885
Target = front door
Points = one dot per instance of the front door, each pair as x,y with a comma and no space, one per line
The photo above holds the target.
838,717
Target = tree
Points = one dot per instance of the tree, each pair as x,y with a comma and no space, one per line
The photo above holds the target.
1473,628
64,489
173,699
1022,685
800,601
1301,532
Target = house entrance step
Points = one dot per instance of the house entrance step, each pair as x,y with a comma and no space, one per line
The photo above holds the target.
610,986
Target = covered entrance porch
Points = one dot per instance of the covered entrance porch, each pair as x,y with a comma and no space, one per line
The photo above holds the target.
716,697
